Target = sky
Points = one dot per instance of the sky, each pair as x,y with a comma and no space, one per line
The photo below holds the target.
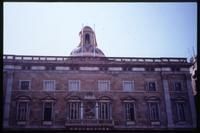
122,29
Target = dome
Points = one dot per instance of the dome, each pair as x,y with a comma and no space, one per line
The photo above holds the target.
87,51
87,28
88,44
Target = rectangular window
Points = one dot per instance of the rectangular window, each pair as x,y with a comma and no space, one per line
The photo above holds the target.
25,84
49,85
130,111
104,110
177,86
180,108
128,86
151,86
104,85
22,111
154,111
47,111
74,110
74,85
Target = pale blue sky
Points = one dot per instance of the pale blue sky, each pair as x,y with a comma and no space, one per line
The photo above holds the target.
122,29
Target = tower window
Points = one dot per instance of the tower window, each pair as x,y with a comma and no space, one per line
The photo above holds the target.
87,39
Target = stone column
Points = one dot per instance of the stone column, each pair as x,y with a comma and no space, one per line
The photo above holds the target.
168,107
6,114
81,110
192,103
97,108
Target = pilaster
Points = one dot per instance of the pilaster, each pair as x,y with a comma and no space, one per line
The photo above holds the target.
9,84
170,123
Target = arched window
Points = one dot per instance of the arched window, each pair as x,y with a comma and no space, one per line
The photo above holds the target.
87,39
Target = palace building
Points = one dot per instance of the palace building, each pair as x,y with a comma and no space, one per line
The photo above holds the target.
89,91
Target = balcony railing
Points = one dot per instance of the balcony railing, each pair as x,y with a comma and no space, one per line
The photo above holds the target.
115,59
89,122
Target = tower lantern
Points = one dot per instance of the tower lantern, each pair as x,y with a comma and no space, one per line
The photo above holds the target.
88,44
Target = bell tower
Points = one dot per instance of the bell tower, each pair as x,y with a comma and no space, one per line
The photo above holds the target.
87,37
88,44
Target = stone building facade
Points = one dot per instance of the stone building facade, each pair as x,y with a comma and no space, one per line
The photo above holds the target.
89,91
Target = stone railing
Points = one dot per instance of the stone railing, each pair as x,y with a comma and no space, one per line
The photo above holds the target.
115,59
89,122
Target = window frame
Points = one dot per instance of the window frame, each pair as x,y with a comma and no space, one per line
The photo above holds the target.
148,85
132,85
19,121
47,89
73,104
103,81
178,116
70,88
158,111
20,83
125,102
181,86
52,112
104,105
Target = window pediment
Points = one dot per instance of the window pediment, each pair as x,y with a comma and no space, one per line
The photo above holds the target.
70,98
179,98
105,98
152,98
48,98
23,98
128,98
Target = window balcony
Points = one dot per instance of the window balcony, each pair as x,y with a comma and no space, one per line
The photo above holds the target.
87,122
130,123
21,123
47,123
155,123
